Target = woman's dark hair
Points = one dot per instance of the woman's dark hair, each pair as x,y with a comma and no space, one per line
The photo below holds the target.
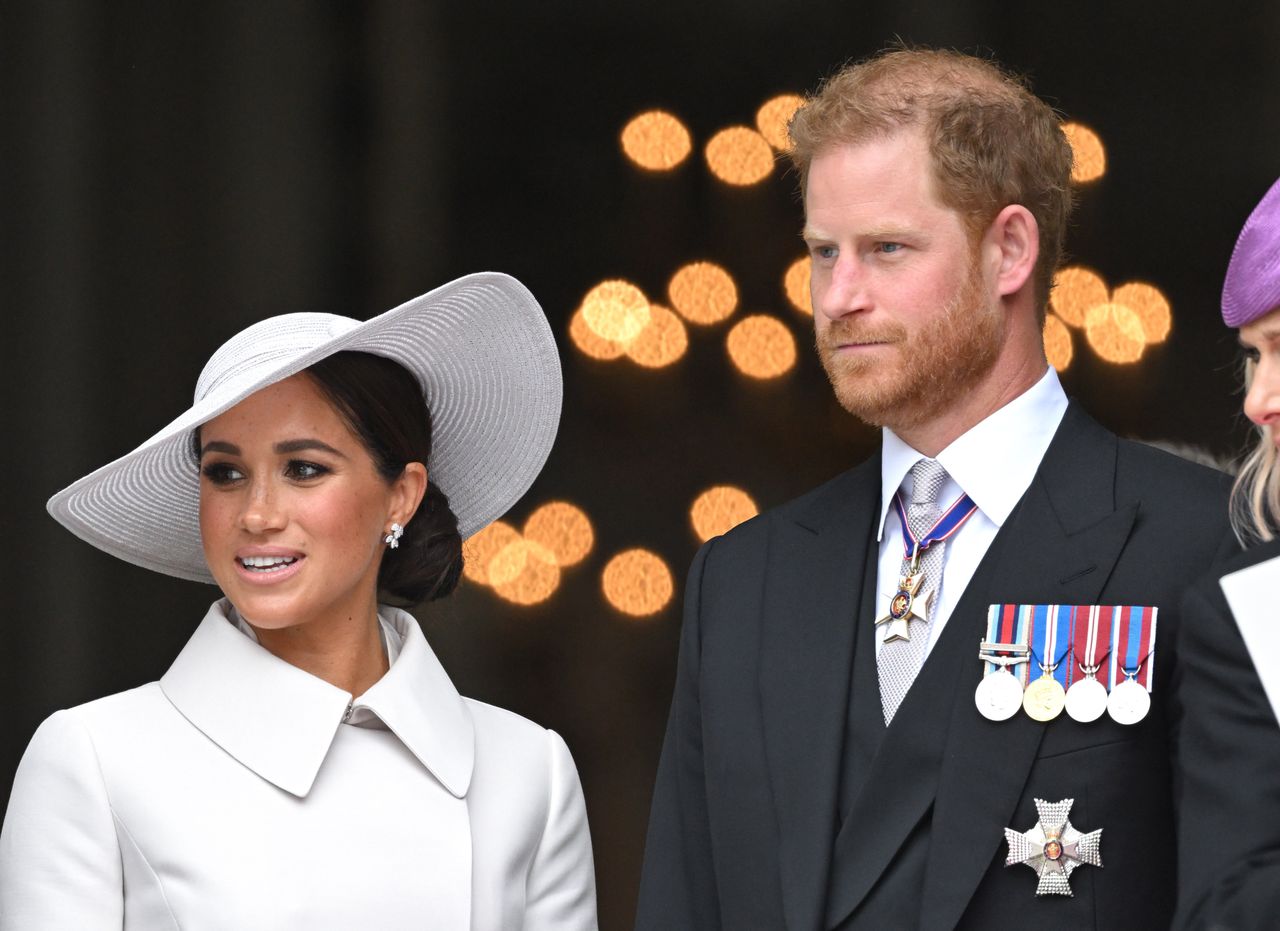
383,405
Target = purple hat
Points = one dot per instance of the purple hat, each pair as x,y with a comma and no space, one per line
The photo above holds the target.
1252,288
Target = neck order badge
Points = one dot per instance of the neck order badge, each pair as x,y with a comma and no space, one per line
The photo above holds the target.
909,601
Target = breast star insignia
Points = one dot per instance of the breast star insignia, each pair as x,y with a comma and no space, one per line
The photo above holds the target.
1053,848
907,603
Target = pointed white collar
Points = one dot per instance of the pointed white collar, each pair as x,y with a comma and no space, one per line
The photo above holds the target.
280,721
995,461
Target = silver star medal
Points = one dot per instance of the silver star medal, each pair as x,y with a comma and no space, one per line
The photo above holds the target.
1053,848
907,603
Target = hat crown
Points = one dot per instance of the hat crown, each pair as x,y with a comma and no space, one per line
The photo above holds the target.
264,345
1252,286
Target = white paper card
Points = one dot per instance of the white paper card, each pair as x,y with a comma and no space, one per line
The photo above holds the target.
1250,594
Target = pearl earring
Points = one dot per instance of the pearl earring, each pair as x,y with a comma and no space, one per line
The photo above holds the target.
392,539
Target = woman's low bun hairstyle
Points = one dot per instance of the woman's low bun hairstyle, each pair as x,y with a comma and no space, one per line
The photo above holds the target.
384,407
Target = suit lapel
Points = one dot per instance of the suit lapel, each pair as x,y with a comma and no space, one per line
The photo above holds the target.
816,568
1058,546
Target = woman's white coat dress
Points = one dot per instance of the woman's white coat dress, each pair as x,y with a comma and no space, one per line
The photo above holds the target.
230,794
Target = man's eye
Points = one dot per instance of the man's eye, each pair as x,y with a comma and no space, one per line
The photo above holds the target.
822,252
301,471
890,247
222,473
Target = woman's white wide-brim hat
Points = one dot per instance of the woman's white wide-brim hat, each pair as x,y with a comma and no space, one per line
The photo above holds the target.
480,347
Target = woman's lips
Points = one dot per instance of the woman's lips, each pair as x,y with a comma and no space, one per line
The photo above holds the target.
268,569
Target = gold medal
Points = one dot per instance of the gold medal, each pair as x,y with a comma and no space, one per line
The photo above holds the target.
1044,698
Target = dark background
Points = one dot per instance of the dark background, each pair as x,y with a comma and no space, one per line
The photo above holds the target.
170,173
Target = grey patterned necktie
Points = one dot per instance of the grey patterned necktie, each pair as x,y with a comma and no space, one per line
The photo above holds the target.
900,660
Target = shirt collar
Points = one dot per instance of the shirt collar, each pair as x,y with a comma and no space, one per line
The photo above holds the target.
995,460
280,721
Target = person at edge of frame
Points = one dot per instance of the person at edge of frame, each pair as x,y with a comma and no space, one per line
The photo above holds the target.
836,756
1230,748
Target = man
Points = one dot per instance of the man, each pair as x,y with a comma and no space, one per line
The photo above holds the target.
826,764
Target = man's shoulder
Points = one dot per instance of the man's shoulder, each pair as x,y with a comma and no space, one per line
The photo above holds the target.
811,507
1157,477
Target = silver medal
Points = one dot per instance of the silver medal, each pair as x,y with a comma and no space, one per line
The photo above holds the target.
1086,700
1129,702
999,695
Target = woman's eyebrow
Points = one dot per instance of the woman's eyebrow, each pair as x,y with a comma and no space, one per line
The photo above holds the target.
297,446
218,446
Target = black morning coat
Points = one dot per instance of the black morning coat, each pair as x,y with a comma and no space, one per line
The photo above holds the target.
782,801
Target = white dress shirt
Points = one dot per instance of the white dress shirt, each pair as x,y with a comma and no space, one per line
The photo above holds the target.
993,463
230,795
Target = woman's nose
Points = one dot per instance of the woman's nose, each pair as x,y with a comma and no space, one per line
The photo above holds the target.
262,513
1262,401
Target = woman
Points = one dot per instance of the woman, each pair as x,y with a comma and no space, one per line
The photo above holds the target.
306,762
1229,752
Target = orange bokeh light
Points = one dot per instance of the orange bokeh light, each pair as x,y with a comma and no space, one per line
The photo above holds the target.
1057,343
562,530
1089,158
1115,333
661,343
656,141
637,582
479,550
719,509
616,310
740,156
1151,306
1075,290
773,117
762,347
796,284
703,292
537,579
597,347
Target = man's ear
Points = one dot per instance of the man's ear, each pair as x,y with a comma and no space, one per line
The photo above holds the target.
1014,237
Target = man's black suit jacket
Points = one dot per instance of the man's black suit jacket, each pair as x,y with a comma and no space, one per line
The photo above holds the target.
746,826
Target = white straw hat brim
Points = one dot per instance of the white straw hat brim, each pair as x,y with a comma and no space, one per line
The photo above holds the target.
480,347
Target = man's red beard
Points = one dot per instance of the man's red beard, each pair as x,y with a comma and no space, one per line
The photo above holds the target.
930,369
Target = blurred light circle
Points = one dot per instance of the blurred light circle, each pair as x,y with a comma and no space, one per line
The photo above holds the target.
739,155
719,509
661,343
1089,158
597,347
703,292
1151,306
1075,290
480,549
563,530
656,141
796,284
616,310
507,564
1057,343
773,117
1115,333
637,582
537,580
761,347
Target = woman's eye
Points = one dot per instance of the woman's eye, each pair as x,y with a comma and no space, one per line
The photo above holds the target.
1252,354
221,473
301,471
